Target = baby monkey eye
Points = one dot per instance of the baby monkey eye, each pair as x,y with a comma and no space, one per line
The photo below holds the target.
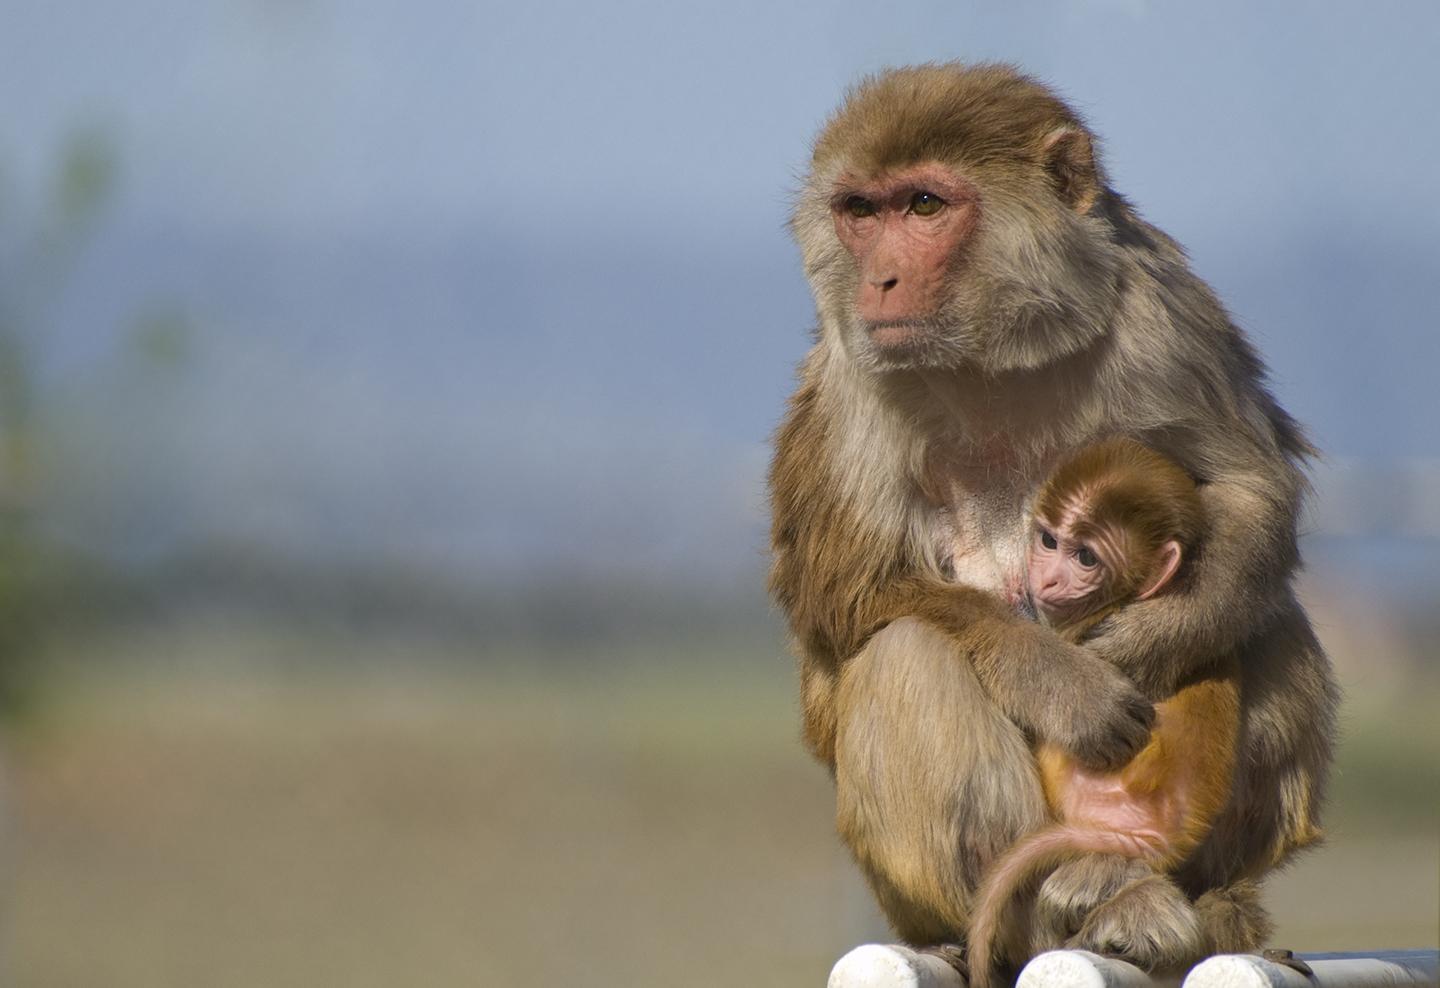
1087,558
1047,540
926,204
859,207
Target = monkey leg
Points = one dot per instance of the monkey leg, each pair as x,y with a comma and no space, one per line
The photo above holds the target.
932,782
1071,892
1149,922
1147,919
1233,920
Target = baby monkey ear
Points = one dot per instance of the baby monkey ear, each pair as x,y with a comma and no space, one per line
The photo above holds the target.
1166,563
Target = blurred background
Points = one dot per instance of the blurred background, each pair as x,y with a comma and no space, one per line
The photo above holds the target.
385,392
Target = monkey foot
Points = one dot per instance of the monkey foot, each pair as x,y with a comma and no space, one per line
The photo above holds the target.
877,965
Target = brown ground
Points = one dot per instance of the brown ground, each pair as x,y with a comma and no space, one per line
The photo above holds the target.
237,827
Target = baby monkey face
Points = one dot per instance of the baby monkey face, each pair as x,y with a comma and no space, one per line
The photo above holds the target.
1068,576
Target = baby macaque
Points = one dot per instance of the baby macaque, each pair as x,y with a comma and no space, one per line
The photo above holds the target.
1114,525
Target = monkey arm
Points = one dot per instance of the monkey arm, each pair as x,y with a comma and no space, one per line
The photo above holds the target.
1238,582
1056,690
818,682
841,575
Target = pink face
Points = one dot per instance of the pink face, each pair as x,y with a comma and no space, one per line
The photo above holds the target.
905,229
1067,577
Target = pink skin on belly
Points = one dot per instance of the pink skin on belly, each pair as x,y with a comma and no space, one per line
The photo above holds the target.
1103,800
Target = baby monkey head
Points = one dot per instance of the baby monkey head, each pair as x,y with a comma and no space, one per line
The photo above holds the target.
1111,525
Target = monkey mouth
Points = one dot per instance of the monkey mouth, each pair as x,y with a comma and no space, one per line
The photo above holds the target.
897,332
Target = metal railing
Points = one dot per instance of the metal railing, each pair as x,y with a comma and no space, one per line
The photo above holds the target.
895,966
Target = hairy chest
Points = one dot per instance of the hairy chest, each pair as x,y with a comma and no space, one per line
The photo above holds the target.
977,515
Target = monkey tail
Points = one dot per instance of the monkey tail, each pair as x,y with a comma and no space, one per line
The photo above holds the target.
1035,856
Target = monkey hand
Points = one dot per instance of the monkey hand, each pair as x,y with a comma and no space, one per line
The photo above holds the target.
1085,705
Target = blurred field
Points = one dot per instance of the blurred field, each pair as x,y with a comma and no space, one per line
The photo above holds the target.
194,807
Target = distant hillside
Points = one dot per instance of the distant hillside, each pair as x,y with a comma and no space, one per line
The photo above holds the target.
485,405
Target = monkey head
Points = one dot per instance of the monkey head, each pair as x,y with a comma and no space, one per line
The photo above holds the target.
1111,525
1075,569
945,223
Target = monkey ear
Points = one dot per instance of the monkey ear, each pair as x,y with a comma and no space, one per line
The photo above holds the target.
1166,565
1070,159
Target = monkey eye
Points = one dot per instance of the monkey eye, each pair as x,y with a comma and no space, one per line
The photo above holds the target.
1086,557
859,207
926,204
1047,539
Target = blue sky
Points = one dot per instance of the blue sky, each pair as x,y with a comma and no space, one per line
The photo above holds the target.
301,111
512,280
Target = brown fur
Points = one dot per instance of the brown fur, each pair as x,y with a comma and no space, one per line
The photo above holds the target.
1189,761
1124,484
898,493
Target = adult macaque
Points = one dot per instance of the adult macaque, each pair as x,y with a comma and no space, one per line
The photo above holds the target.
988,305
1113,526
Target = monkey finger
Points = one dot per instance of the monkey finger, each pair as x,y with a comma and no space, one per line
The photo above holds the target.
1118,734
1141,710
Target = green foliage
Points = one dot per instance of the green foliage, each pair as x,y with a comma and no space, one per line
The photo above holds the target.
35,575
84,178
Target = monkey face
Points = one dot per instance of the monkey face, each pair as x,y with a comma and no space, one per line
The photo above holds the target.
906,232
936,239
1068,578
946,266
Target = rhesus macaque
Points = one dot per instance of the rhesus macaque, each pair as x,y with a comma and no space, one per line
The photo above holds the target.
1112,526
987,305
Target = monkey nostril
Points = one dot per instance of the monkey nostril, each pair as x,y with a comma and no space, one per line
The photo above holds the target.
888,284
